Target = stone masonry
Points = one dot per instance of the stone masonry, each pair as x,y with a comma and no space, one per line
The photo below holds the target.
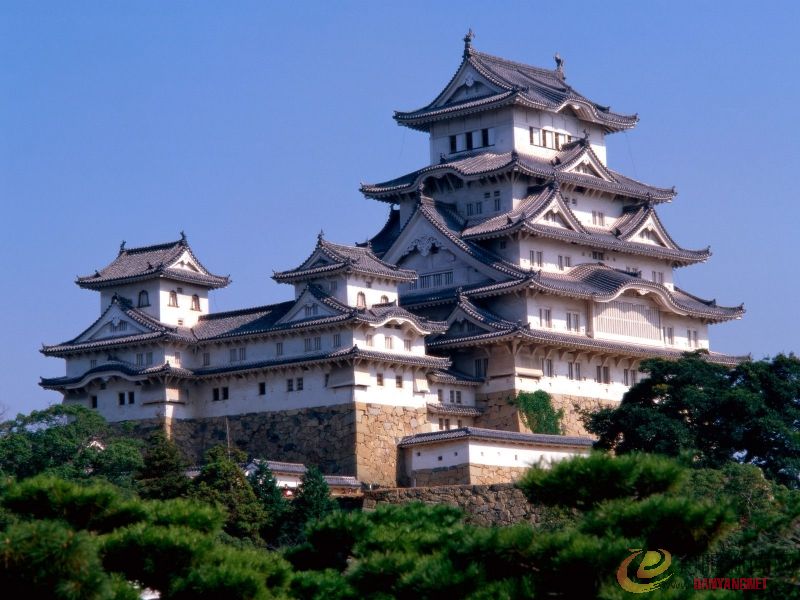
497,505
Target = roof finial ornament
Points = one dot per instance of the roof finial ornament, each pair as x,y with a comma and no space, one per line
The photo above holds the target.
183,236
321,234
122,247
559,65
468,42
586,135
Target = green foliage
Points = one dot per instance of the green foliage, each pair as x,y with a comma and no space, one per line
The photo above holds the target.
275,506
589,481
749,414
537,412
163,471
222,482
70,441
63,540
312,502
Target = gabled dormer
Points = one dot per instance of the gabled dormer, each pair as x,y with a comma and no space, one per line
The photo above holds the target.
499,105
353,275
165,281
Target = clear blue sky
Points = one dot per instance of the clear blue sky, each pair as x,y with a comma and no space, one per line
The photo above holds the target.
250,125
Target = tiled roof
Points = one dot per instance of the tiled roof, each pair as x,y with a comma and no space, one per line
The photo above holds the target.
481,164
525,217
266,319
454,377
383,240
150,262
351,353
458,410
336,258
478,433
518,84
155,331
299,469
115,366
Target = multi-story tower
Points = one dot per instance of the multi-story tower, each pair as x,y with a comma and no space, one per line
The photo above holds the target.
516,261
552,270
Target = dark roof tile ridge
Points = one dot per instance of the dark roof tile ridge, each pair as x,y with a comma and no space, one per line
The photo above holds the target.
154,247
528,67
484,315
242,311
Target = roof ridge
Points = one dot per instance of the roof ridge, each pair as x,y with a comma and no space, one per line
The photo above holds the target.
152,247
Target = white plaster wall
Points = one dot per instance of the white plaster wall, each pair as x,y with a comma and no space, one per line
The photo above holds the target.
108,400
559,306
131,292
467,394
451,453
77,365
373,294
172,315
499,454
525,118
500,120
410,395
397,336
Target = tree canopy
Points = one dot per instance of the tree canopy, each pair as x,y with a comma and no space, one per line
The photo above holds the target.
749,414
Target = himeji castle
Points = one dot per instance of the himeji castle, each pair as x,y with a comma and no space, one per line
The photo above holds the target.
515,261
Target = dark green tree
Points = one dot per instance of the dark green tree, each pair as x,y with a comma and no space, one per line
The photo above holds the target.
312,502
749,414
537,412
222,481
67,541
163,472
276,507
69,441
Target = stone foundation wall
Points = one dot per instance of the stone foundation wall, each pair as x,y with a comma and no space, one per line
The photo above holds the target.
378,430
468,474
322,436
500,414
497,505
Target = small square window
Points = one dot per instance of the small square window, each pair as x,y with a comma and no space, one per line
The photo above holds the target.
290,385
279,349
206,359
262,388
215,394
299,384
121,398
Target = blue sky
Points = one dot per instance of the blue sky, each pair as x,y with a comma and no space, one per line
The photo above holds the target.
250,125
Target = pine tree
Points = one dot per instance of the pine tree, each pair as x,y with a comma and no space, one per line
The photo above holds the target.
223,482
312,502
163,474
271,497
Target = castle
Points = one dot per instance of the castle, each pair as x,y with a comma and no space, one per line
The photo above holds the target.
516,261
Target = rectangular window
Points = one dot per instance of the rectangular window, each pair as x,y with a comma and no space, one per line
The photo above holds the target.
290,385
225,394
398,381
407,345
452,397
440,395
215,394
447,423
130,397
549,139
121,398
669,335
484,137
634,376
625,376
93,363
470,208
598,255
547,367
497,205
279,349
603,374
458,396
242,353
481,367
307,344
658,276
178,358
536,136
537,258
262,388
441,424
327,379
564,262
574,371
232,354
573,321
94,401
139,359
379,379
479,208
206,359
337,340
299,384
148,358
452,144
545,318
369,340
317,343
469,140
333,286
